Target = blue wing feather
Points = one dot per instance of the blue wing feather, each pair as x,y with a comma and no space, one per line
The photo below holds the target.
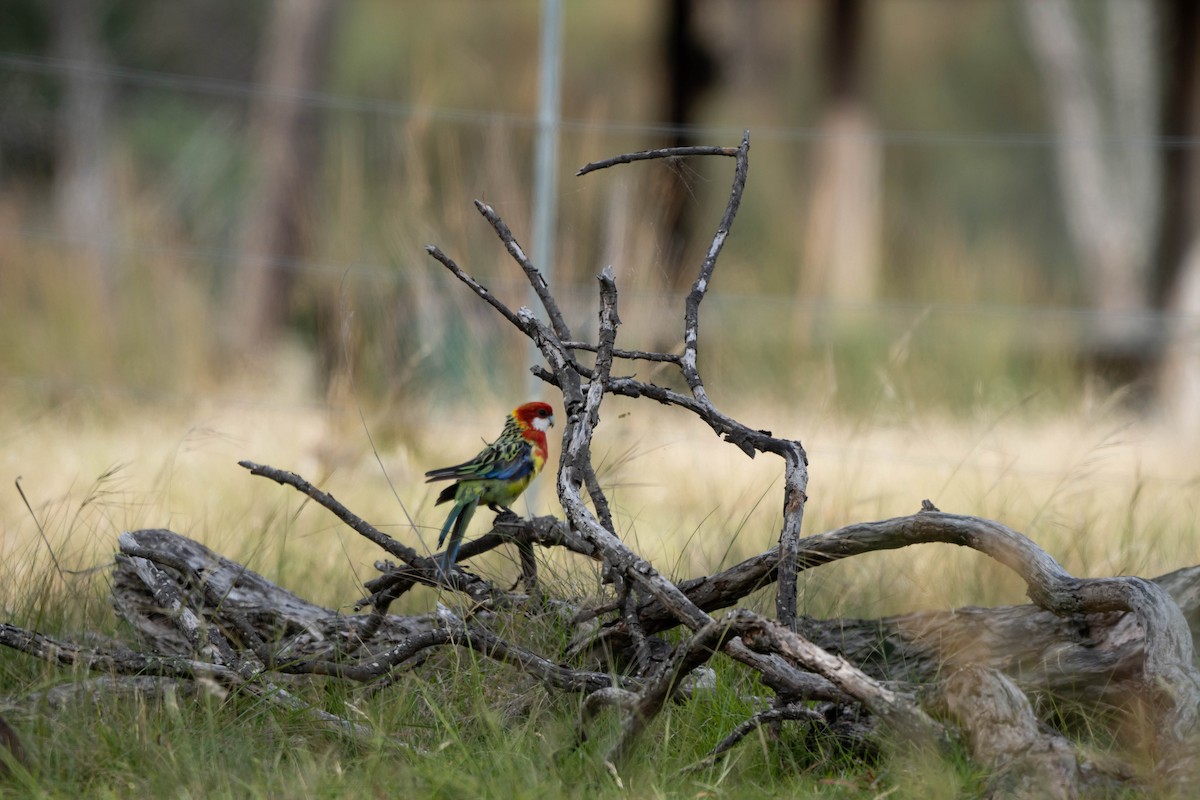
518,468
494,462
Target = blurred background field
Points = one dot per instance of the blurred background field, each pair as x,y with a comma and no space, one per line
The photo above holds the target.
945,286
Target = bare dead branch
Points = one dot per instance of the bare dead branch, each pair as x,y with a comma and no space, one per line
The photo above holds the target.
418,568
609,320
536,279
699,648
902,715
577,436
528,561
632,355
357,523
794,712
120,661
643,655
476,287
471,637
691,314
546,531
665,152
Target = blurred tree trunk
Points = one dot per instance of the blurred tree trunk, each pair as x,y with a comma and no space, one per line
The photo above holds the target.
1177,284
83,182
690,71
279,216
842,232
1106,169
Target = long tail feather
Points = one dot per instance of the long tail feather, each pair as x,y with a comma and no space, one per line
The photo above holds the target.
456,527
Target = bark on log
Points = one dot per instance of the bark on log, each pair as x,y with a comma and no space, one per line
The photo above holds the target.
1088,659
296,627
1028,762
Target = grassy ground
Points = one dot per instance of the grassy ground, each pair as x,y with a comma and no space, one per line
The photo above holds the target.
1102,494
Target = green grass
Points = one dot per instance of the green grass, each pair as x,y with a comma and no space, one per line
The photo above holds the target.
1101,495
479,732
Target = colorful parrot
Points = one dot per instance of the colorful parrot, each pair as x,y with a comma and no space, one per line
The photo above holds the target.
496,476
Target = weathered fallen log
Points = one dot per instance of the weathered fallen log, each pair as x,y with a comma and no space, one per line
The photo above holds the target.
1086,658
967,666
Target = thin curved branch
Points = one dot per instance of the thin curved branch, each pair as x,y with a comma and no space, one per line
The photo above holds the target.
691,314
699,649
478,288
418,568
536,279
631,355
665,152
793,712
357,523
478,639
119,660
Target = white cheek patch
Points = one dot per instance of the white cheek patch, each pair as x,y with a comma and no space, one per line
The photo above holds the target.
543,423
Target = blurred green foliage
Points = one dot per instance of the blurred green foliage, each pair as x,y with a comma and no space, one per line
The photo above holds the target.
431,104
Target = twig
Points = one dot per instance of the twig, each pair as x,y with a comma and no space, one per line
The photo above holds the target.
472,637
547,531
793,712
419,568
627,602
699,649
528,561
609,320
691,315
360,525
792,452
536,279
665,152
576,439
642,355
476,286
120,661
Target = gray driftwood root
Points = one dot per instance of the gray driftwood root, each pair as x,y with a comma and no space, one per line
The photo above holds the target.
1027,760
